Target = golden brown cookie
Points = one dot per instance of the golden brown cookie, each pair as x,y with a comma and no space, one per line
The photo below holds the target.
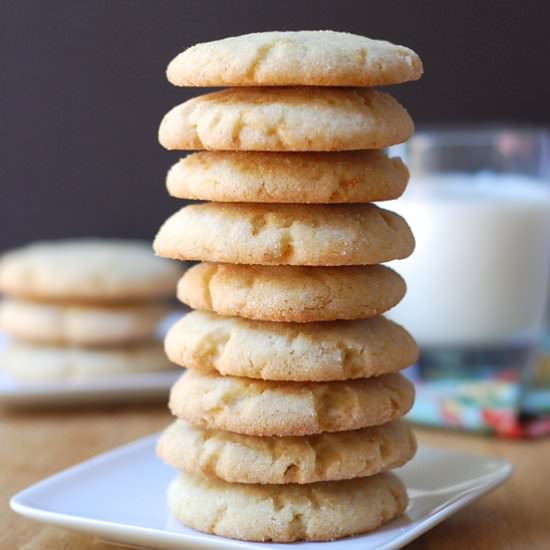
287,119
300,352
42,363
298,178
285,234
87,270
267,408
278,460
286,513
315,58
292,294
80,325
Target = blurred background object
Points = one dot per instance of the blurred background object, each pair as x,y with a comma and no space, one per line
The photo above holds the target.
478,202
82,316
83,90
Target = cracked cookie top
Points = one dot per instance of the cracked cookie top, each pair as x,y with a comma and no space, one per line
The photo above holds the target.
287,119
279,460
290,293
314,58
274,234
267,408
286,513
299,178
338,350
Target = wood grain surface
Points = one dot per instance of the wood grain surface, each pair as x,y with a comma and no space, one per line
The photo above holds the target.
39,443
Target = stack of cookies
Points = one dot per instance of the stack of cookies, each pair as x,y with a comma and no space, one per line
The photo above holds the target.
86,308
288,419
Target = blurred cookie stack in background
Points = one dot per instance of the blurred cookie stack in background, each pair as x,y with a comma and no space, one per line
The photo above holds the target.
79,309
289,415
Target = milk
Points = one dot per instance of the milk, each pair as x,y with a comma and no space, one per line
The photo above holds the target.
479,274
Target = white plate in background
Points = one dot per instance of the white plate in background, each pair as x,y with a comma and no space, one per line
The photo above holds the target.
119,496
146,386
140,386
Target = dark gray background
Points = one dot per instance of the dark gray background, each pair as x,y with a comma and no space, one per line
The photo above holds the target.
83,90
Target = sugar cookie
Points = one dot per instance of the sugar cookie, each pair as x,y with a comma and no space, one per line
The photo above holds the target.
266,408
87,270
289,293
287,119
286,513
41,363
299,178
285,234
315,58
278,460
80,325
300,352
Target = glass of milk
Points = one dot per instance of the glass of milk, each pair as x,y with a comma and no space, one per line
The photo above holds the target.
478,203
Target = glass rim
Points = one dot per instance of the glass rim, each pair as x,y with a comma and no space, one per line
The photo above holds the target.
475,133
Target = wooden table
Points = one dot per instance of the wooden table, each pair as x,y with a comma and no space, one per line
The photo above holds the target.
37,444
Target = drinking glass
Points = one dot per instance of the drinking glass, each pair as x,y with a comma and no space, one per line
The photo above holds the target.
478,202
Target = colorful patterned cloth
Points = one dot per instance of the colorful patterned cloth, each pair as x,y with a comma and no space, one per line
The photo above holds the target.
506,403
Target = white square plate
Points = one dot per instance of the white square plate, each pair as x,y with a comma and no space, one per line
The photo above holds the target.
119,496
